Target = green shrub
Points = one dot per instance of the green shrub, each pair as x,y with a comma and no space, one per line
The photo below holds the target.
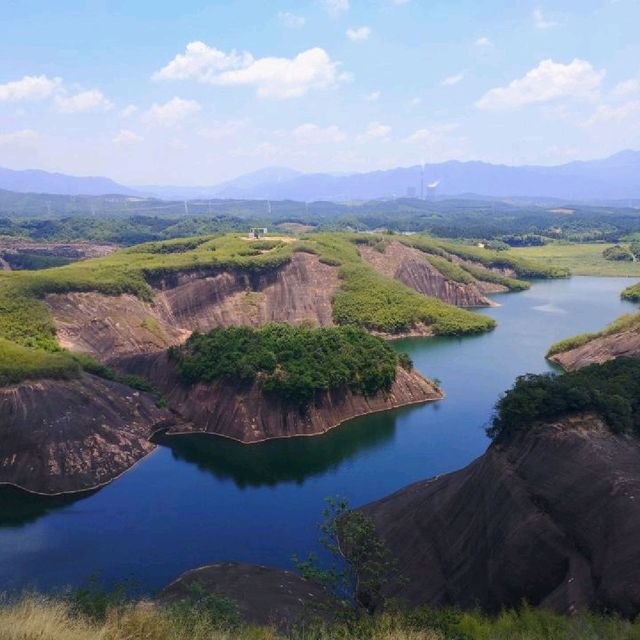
616,253
290,362
367,299
18,363
632,293
450,270
485,275
611,389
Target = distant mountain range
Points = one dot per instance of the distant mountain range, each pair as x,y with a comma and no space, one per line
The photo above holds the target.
614,178
35,181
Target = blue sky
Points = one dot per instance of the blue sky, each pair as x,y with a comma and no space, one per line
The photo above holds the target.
196,92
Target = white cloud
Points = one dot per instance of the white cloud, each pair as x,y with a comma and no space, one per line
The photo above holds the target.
335,7
545,82
375,131
313,134
414,102
606,113
22,138
626,88
291,20
92,100
358,34
127,137
287,77
272,77
432,135
451,80
202,62
128,111
483,41
541,22
29,88
399,2
374,96
171,112
218,130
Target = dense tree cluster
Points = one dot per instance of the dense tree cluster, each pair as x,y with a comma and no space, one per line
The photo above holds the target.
291,362
611,389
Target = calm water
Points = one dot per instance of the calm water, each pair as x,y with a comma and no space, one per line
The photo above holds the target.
202,499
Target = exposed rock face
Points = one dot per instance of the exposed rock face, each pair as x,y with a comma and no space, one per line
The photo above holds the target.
11,249
625,343
552,517
409,266
113,326
301,290
264,596
247,414
61,436
108,326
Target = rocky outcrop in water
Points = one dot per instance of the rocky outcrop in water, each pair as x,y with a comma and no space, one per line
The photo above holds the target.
60,436
409,266
248,414
112,326
601,349
551,517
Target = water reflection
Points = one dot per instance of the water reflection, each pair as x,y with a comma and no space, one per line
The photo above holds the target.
19,508
291,460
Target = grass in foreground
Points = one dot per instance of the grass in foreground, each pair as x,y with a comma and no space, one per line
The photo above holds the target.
579,259
35,617
626,322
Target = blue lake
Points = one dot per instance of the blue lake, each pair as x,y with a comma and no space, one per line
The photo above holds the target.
203,499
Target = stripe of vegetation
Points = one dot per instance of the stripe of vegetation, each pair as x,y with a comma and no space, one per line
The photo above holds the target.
485,275
19,363
626,322
632,293
449,270
369,300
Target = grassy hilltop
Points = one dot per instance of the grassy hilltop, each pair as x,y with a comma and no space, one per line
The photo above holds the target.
365,298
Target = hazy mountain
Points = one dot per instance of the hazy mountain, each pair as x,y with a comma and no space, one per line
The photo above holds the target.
35,181
253,181
616,177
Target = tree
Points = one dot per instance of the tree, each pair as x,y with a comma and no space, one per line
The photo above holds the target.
362,566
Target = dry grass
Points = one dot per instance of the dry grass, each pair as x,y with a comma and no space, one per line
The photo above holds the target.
37,617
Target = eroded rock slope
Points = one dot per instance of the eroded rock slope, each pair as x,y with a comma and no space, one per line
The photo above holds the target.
551,517
113,326
61,436
601,349
409,266
247,414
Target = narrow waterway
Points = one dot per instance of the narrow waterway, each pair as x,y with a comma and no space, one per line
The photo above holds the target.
202,499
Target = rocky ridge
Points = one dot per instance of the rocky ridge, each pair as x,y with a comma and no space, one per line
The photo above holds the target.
87,432
551,517
247,414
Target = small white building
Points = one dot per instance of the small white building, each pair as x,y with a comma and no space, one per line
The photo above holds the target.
255,233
